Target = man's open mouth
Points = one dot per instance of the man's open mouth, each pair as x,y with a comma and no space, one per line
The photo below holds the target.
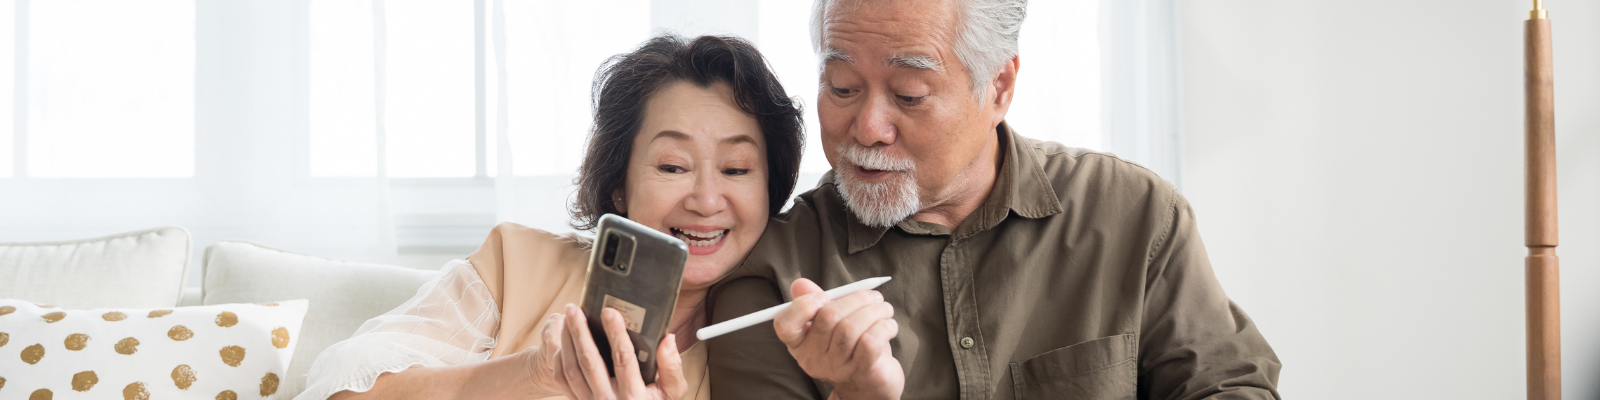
870,174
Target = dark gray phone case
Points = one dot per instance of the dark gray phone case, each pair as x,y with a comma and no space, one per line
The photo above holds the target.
640,280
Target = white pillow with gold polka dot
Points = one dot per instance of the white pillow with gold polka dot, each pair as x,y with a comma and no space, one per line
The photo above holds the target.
225,351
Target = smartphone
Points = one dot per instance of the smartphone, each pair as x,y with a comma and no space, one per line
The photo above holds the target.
636,270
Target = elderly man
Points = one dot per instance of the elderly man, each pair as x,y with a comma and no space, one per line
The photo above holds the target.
1022,269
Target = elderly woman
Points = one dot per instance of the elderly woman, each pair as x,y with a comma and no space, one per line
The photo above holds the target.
693,138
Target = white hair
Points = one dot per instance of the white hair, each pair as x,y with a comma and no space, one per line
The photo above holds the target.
878,204
985,40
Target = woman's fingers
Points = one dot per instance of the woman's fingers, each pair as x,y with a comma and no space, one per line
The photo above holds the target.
549,358
594,368
577,386
669,369
582,371
630,385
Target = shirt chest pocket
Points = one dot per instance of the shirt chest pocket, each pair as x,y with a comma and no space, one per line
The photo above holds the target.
1103,368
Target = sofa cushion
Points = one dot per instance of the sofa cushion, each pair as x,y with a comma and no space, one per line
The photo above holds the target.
343,294
221,351
143,269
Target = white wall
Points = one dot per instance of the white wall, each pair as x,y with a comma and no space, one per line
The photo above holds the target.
1357,170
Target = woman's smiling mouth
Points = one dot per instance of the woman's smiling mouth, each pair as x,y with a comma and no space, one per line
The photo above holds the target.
701,241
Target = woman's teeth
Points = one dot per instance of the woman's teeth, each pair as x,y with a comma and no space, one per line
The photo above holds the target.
698,238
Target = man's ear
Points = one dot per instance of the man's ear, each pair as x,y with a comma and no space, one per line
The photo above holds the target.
620,201
1004,86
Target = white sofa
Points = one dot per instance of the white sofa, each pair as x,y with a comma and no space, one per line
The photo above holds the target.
146,269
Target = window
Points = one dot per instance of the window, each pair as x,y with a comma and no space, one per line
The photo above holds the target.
785,39
1058,85
303,103
427,81
552,50
8,65
343,139
102,105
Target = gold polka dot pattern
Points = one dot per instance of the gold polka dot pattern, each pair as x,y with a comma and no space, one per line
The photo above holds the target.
135,391
33,354
83,381
183,376
232,355
180,333
76,341
127,346
280,337
227,319
269,384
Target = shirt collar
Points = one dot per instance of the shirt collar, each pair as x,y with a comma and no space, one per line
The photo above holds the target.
1020,187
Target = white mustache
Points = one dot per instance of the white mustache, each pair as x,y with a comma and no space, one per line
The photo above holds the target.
869,158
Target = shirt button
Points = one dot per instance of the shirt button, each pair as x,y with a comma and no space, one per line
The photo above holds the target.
966,342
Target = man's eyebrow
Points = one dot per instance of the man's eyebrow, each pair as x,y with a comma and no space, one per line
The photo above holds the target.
835,54
915,61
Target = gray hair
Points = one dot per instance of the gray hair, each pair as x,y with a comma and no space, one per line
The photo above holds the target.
986,39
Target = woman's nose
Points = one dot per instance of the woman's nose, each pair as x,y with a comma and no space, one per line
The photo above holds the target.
707,198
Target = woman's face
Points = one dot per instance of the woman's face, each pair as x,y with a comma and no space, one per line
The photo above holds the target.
699,173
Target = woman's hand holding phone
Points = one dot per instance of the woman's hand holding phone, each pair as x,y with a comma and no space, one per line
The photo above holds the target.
543,363
581,373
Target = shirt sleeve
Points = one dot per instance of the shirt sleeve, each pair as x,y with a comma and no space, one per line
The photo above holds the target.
1195,343
752,363
450,321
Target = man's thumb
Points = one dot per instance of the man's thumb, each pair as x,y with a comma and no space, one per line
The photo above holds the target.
802,287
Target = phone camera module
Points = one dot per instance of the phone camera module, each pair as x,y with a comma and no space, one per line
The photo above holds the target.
608,257
617,252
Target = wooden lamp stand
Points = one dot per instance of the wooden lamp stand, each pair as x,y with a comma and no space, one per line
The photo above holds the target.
1543,272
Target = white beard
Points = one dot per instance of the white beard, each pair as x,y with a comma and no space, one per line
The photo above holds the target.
880,204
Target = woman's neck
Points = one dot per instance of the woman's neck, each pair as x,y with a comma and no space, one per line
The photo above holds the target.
688,316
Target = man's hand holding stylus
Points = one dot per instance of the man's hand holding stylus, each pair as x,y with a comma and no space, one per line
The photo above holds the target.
843,342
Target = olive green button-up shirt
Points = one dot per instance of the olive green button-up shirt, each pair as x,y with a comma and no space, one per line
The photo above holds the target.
1081,276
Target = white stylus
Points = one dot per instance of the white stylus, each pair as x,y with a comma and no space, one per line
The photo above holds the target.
767,314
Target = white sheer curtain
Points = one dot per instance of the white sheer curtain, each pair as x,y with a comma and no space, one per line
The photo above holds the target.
131,115
543,59
399,131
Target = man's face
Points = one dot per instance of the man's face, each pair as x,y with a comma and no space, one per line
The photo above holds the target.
899,122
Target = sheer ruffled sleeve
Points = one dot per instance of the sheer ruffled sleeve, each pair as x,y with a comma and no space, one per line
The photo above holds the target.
452,320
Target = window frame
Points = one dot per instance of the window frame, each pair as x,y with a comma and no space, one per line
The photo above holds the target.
1141,109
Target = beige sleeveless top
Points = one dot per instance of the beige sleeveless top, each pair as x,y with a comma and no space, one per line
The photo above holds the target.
490,305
